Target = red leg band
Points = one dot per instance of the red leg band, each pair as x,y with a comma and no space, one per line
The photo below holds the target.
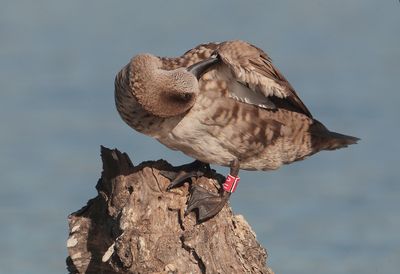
231,183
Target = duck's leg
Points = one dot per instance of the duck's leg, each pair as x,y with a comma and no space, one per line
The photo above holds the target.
208,203
194,169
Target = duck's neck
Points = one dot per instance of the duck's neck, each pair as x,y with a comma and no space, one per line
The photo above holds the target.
160,90
129,108
132,112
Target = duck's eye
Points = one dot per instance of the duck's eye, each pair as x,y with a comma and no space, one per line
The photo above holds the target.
187,96
182,97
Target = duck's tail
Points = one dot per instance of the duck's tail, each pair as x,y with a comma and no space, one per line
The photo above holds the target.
323,139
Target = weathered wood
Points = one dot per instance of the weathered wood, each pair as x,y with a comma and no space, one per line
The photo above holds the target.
135,226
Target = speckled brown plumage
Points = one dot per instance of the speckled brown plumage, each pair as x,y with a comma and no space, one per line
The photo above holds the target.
272,128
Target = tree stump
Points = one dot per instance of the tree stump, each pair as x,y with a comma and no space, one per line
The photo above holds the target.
135,226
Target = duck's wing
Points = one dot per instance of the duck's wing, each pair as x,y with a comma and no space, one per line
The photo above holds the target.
253,78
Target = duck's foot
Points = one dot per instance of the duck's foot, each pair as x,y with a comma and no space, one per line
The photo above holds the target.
207,203
194,169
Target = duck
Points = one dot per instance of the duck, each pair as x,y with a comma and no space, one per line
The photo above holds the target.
221,103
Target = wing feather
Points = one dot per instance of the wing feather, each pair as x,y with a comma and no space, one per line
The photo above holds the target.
253,68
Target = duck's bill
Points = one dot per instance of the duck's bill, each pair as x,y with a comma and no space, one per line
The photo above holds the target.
200,68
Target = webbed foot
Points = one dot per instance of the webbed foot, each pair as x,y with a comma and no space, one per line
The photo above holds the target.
208,204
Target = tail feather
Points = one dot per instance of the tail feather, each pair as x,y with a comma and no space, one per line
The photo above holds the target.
323,139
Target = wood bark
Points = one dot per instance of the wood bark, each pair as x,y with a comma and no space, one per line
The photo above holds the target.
135,226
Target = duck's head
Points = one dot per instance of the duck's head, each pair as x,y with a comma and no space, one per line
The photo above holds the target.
163,92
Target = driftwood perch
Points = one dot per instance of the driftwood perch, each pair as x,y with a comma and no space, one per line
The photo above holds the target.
135,226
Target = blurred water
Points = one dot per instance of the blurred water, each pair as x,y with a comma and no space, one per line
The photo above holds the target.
336,212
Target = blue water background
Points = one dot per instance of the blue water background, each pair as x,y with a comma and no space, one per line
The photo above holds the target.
336,212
